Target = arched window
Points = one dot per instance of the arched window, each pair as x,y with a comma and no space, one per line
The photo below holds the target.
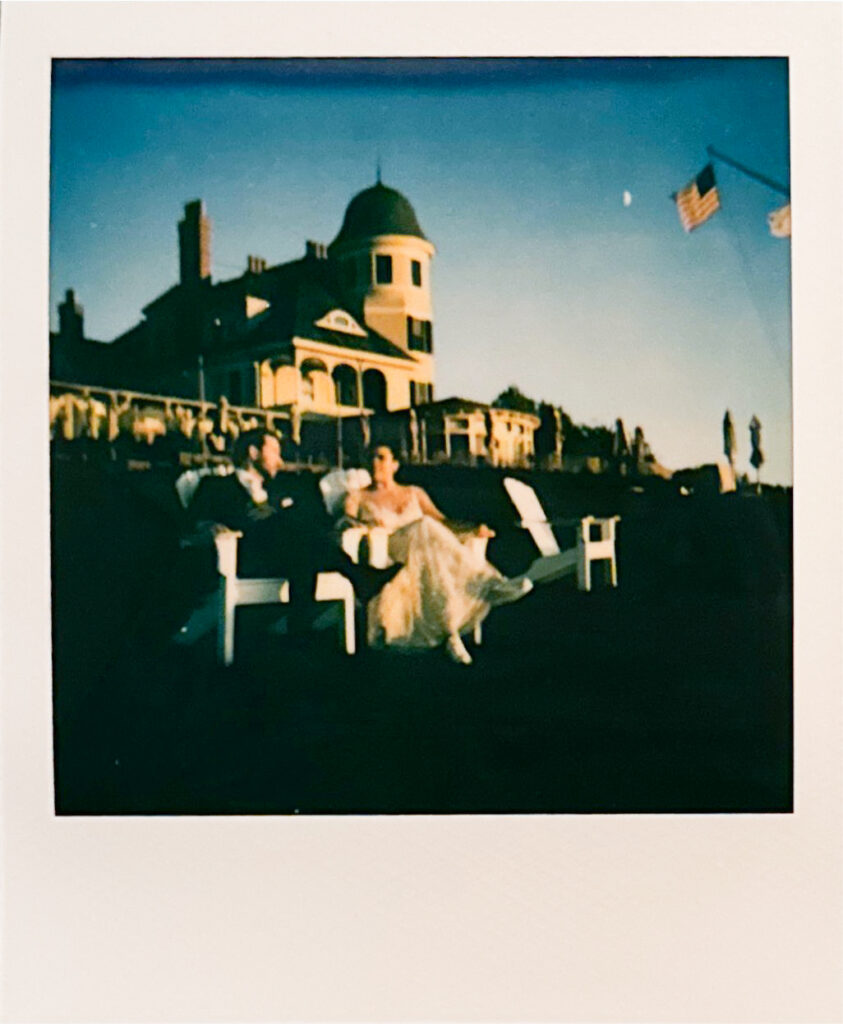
308,370
345,385
374,390
310,365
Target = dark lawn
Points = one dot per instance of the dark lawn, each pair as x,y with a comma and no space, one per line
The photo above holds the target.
670,694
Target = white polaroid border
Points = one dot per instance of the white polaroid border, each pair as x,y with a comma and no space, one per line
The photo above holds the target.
518,918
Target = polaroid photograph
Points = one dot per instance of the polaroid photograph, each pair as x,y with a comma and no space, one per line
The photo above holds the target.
476,501
422,510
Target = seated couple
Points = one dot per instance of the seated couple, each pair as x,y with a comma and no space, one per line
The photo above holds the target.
434,592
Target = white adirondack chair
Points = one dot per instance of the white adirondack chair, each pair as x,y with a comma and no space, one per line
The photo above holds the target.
335,485
237,592
595,539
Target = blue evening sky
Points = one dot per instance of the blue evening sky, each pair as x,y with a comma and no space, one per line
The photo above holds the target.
516,169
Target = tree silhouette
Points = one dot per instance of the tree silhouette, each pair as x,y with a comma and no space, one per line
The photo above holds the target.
757,457
514,398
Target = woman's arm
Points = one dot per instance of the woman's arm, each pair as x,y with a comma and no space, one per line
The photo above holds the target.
427,506
351,506
429,509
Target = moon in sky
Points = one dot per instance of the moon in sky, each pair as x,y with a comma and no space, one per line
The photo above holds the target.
627,198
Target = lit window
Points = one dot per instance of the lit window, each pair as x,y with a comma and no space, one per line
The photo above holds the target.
419,335
415,266
383,269
420,393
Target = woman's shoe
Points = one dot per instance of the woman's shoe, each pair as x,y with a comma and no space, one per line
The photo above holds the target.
524,583
456,650
504,591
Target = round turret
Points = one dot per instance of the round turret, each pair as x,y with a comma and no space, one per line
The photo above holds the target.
378,210
383,266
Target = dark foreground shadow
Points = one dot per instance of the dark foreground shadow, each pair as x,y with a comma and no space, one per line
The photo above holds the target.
672,693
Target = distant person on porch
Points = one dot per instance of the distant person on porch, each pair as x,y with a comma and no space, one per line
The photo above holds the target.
441,591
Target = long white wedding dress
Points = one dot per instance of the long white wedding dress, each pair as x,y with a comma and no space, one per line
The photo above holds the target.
441,589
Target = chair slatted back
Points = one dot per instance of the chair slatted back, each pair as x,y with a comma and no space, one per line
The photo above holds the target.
533,517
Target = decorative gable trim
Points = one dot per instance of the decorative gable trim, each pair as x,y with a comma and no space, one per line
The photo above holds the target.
339,320
255,305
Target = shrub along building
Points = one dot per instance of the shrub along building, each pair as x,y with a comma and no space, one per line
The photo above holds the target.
343,333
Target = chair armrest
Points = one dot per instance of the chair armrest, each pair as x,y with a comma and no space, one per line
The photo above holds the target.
379,547
378,541
226,543
350,540
606,525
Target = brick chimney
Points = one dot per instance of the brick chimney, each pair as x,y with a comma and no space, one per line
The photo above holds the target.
315,250
71,318
194,244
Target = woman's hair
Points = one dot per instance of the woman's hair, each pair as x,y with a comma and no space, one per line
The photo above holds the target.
390,448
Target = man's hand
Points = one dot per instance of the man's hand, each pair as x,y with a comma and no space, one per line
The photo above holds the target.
257,513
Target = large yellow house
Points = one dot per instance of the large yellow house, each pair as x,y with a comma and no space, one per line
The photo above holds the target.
345,332
346,329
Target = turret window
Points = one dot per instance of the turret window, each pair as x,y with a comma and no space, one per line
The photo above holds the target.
415,268
419,335
383,269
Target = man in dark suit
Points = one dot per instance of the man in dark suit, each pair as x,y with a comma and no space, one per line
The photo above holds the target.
286,529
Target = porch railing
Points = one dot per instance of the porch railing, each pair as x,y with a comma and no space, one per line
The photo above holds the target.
100,413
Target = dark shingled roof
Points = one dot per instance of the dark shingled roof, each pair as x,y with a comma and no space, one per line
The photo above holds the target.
373,343
456,404
378,210
293,312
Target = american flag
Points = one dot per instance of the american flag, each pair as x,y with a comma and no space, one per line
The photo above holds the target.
699,200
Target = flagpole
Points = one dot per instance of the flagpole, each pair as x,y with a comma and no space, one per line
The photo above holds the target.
204,437
783,189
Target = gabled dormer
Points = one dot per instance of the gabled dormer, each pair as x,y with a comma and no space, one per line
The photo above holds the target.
339,320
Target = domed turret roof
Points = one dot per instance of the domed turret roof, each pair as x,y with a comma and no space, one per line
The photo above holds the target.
378,210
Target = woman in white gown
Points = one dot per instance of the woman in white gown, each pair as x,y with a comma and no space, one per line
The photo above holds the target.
442,590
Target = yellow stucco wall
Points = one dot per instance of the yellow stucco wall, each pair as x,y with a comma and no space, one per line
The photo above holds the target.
315,392
387,306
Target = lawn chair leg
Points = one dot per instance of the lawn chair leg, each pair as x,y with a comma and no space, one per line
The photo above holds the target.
584,572
613,569
225,628
347,625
